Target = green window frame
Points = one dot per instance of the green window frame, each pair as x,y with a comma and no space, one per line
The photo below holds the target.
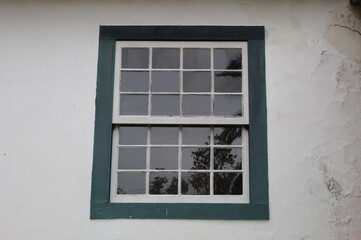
258,207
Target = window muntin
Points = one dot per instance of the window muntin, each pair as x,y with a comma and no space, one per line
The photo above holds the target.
207,89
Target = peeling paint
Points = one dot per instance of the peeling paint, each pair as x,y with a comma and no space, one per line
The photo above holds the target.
339,159
333,187
347,40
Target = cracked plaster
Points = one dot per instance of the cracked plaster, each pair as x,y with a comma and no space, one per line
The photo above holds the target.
339,158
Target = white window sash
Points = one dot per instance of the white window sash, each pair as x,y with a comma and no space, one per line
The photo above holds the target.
180,120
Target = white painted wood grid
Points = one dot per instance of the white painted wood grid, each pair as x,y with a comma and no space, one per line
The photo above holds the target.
178,121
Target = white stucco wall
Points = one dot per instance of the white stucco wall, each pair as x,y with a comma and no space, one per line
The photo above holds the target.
48,65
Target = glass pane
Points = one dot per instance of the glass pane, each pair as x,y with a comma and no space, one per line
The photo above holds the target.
228,105
164,135
196,135
195,183
166,105
163,158
197,105
196,58
228,82
228,58
134,81
166,58
131,183
135,58
196,81
165,81
132,158
133,105
195,158
132,135
228,158
227,135
228,184
163,183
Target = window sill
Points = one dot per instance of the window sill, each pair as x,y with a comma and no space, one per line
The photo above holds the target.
180,211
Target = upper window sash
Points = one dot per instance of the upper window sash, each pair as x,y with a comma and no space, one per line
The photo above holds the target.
201,120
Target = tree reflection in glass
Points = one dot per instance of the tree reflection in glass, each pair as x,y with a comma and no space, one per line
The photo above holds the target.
224,158
166,184
196,183
228,183
228,58
163,183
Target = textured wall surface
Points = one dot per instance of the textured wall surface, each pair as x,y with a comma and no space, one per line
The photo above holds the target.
48,61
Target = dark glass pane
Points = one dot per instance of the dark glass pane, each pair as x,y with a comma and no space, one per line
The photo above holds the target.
228,58
163,183
132,158
197,105
228,158
228,105
131,183
196,81
135,58
195,183
132,135
228,82
228,184
164,135
165,105
166,58
163,158
165,81
196,135
195,158
227,135
134,81
196,58
133,105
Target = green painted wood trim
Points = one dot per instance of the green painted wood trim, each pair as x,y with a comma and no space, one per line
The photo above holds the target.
183,33
179,211
103,123
258,207
257,122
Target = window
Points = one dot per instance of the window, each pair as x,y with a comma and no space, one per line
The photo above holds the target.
180,127
179,116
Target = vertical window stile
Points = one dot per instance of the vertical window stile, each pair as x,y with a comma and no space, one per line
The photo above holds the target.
212,163
150,82
181,83
212,82
147,162
180,161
